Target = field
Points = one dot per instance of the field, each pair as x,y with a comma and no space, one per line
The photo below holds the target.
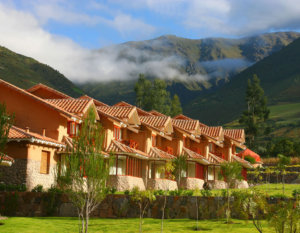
62,225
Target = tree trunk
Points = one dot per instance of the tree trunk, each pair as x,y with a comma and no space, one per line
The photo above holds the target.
197,214
141,219
283,184
228,203
163,214
86,220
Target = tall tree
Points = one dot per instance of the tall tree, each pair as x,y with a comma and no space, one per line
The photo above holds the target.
154,96
257,112
85,170
176,108
6,121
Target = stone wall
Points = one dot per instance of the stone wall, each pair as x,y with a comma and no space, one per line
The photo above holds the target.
34,177
27,171
120,206
16,174
162,184
191,183
122,183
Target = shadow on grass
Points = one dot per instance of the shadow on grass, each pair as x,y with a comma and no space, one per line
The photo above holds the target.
200,229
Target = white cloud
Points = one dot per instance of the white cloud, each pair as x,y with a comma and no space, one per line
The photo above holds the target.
21,32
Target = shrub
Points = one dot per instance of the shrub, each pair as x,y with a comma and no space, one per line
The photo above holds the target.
126,192
37,189
12,187
296,193
11,203
250,159
113,190
206,193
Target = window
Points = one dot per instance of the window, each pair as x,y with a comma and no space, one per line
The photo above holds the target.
184,141
210,145
199,171
73,128
157,170
191,169
210,173
153,140
45,162
134,167
117,133
121,165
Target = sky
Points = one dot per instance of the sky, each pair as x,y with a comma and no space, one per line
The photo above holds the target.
65,33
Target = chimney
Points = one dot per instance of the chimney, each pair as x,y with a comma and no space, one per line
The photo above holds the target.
44,132
27,129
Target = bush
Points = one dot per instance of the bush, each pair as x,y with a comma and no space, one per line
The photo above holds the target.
12,187
37,189
250,159
126,192
296,193
205,193
189,192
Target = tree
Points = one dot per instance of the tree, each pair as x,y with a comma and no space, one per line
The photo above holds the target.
231,172
254,205
6,121
154,96
143,199
257,113
179,164
176,108
282,163
85,170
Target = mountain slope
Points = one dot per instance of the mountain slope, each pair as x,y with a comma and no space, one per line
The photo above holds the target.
25,72
216,58
280,78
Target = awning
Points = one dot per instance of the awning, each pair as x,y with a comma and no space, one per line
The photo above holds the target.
195,156
212,158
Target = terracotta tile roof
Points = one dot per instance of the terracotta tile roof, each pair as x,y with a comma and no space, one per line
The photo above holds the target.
4,157
212,158
36,98
16,134
156,113
96,102
155,121
188,125
243,162
236,134
74,106
251,153
118,147
195,156
140,111
182,117
213,132
56,93
120,112
159,154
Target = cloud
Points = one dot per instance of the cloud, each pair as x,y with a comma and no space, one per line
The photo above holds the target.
23,33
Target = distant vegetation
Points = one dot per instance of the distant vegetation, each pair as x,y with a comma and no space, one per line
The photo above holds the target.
25,72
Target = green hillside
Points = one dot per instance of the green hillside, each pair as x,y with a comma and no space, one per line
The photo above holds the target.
280,78
25,72
218,58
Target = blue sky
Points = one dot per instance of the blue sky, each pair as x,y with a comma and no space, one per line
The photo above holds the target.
64,33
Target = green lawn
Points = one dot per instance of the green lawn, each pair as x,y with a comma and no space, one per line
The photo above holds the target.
269,189
61,225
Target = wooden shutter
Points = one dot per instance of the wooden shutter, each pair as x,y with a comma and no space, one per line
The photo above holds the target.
45,162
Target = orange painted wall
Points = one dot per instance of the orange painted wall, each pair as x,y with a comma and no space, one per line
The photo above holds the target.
17,150
34,114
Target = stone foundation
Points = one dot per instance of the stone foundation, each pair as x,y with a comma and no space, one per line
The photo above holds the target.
162,184
216,184
34,177
122,183
16,174
191,183
241,184
27,171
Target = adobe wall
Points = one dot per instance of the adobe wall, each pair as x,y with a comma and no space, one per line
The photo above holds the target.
33,113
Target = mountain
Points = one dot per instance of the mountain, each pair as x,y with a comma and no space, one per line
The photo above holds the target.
214,60
280,78
25,72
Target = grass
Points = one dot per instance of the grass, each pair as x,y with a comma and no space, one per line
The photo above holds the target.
63,224
285,113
